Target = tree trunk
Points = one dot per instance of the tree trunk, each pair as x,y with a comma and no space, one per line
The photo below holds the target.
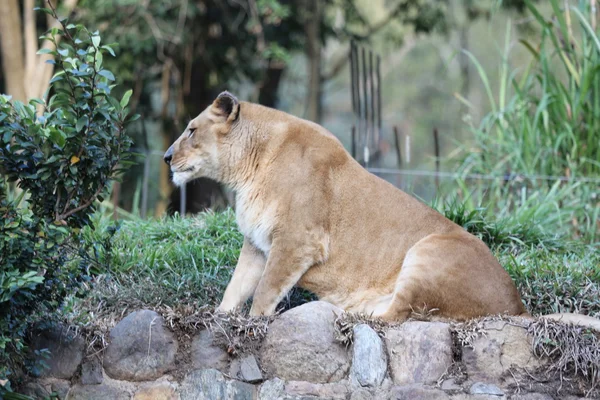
312,28
203,193
270,86
11,45
26,74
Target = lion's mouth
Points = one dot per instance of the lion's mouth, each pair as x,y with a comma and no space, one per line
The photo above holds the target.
182,170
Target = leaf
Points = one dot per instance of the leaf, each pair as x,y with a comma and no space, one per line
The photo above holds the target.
74,160
56,79
44,10
44,51
63,52
81,122
58,137
125,99
109,49
96,41
107,74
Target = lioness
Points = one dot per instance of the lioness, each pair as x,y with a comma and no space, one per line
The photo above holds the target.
313,217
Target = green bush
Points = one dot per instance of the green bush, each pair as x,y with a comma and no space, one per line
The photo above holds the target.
62,153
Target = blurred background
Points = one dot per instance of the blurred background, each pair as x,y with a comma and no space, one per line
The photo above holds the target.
495,103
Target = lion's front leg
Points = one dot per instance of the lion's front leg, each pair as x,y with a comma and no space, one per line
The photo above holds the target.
246,276
289,259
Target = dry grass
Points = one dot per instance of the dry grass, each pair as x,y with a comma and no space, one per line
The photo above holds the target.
573,350
345,323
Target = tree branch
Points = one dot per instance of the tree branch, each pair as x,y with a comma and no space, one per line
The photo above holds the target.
373,29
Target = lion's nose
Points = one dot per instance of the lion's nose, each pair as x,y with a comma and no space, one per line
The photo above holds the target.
168,155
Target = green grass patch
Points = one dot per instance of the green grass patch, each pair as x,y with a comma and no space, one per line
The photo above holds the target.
169,260
188,261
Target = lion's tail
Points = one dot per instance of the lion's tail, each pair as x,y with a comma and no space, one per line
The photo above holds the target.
575,319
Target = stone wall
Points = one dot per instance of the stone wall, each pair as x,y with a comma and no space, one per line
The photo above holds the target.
300,358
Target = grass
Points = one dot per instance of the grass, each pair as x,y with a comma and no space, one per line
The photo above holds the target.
544,123
177,261
553,273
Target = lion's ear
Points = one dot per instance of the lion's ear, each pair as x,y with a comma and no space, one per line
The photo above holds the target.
227,106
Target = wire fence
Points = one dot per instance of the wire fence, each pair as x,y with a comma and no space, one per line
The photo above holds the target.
151,156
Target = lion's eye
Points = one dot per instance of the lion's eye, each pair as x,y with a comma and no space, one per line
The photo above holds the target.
192,130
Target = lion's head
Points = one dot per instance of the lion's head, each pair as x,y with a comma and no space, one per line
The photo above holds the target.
203,146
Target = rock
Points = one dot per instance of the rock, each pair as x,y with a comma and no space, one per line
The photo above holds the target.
335,390
91,372
97,392
503,346
271,389
205,384
361,394
140,348
486,388
207,355
419,352
210,384
301,345
246,369
237,390
36,390
157,391
530,396
369,361
66,351
417,392
61,388
450,384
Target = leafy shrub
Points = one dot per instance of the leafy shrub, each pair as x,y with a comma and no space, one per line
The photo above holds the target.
65,157
62,153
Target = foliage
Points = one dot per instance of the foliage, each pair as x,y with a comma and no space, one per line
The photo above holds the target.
552,274
62,153
549,127
511,231
32,258
553,282
183,259
65,156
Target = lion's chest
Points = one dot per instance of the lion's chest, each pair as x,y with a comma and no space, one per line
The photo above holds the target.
255,220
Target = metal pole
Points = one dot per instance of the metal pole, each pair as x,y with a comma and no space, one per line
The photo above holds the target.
378,98
366,108
436,144
397,142
145,185
353,145
352,72
115,198
357,82
182,200
372,121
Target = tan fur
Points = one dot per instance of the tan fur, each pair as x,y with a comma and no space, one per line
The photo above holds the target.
313,217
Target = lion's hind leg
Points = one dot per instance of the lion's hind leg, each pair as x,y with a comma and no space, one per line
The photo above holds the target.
455,275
